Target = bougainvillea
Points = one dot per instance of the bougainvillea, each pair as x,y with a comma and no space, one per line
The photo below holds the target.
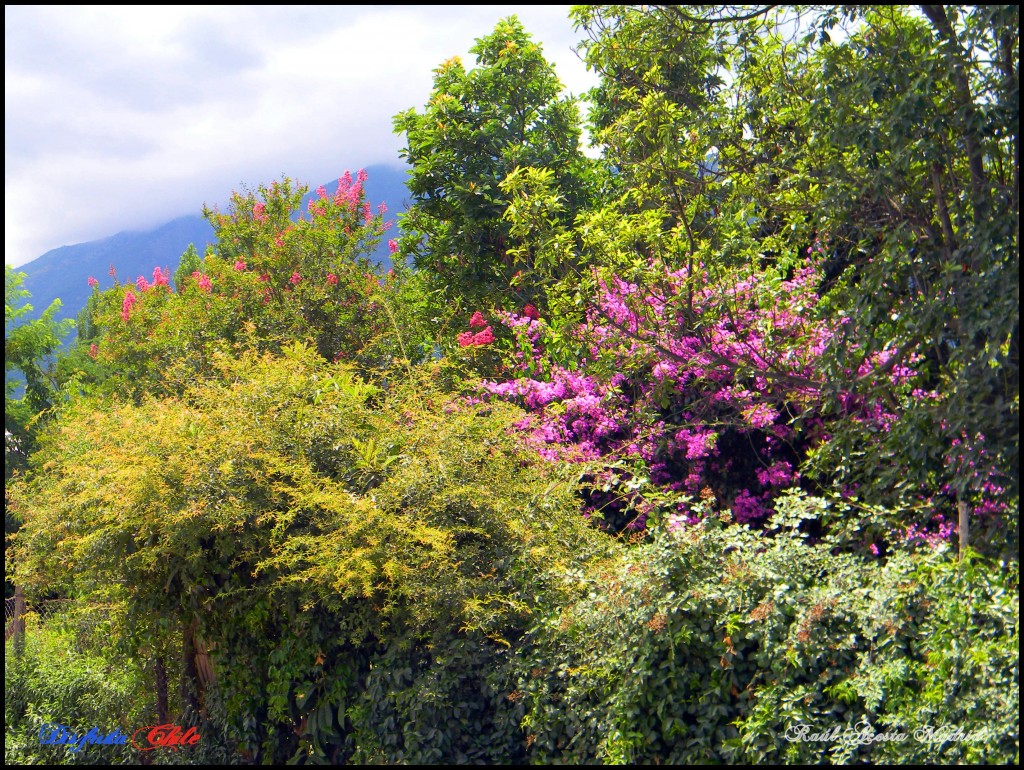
683,396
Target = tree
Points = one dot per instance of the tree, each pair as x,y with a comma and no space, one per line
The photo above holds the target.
277,275
28,351
478,127
783,158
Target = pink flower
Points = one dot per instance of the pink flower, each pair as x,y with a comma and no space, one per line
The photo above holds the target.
93,350
393,246
93,283
258,212
265,278
202,281
465,339
746,507
141,283
321,191
531,312
484,337
127,305
240,265
295,278
477,320
159,277
332,279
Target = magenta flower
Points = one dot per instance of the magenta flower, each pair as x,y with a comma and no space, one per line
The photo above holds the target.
295,278
141,283
477,320
332,279
531,312
483,337
393,246
240,265
127,305
160,278
202,281
93,283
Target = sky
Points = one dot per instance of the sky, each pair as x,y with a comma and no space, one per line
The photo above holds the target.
122,118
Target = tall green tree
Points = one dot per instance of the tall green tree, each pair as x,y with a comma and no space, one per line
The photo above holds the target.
479,126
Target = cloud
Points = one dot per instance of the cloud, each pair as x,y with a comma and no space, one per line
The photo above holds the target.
122,118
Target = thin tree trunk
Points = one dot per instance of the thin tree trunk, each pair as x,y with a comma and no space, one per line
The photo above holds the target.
963,526
162,710
17,628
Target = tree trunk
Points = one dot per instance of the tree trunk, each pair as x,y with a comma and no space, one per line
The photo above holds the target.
962,526
162,710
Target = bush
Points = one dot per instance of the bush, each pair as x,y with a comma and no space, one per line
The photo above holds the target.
54,681
710,643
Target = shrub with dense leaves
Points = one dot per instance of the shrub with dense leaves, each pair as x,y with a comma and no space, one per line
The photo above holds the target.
54,679
297,524
713,644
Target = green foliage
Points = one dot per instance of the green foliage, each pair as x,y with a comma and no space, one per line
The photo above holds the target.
28,347
295,518
478,127
272,472
711,644
54,680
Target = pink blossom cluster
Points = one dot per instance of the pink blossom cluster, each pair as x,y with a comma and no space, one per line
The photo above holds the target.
202,281
159,279
127,304
483,337
723,396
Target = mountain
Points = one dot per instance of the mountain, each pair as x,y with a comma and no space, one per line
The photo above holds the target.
64,272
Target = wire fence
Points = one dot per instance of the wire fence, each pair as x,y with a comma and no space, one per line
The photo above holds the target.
87,623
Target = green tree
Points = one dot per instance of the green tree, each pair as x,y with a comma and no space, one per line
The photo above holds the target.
479,126
28,350
189,263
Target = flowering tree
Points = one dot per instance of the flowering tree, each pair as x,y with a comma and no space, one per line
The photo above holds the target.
277,275
704,289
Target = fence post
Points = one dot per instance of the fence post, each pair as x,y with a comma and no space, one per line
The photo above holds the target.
18,623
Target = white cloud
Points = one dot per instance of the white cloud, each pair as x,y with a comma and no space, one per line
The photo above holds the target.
119,118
